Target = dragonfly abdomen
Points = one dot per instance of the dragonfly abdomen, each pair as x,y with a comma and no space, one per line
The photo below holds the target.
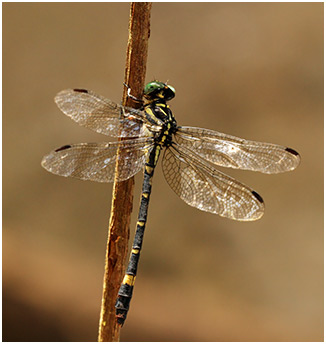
191,156
126,288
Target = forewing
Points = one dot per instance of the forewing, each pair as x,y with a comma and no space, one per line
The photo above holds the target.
100,114
97,161
207,189
229,151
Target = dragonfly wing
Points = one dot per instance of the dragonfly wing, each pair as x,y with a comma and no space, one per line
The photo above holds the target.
229,151
100,114
203,187
97,161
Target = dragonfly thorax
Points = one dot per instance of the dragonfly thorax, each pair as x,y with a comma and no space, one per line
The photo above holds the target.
159,113
190,159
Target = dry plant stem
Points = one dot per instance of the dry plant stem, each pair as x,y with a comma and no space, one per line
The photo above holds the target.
117,245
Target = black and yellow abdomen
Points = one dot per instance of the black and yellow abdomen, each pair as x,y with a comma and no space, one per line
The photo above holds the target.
157,113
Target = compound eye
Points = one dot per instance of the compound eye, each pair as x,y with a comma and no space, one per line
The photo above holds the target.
169,92
152,87
171,88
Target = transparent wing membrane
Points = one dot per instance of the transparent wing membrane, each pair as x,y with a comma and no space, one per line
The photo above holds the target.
97,161
229,151
203,187
189,161
102,115
190,153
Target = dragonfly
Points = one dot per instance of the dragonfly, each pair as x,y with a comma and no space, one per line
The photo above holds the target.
190,158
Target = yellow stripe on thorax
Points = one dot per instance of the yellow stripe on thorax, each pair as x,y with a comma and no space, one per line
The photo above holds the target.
150,113
166,133
163,112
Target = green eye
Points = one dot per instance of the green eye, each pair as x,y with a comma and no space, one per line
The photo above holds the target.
158,90
153,86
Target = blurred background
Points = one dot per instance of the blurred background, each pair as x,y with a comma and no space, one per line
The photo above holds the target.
253,70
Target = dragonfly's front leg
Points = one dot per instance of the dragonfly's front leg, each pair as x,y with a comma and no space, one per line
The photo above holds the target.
132,96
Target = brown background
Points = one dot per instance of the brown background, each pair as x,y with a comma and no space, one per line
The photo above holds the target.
254,70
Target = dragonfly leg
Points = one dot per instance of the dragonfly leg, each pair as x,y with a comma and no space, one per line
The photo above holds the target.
130,95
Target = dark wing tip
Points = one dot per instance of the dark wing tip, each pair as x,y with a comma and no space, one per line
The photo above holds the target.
62,148
292,151
81,90
260,199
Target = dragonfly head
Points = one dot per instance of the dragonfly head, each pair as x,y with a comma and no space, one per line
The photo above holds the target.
158,90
